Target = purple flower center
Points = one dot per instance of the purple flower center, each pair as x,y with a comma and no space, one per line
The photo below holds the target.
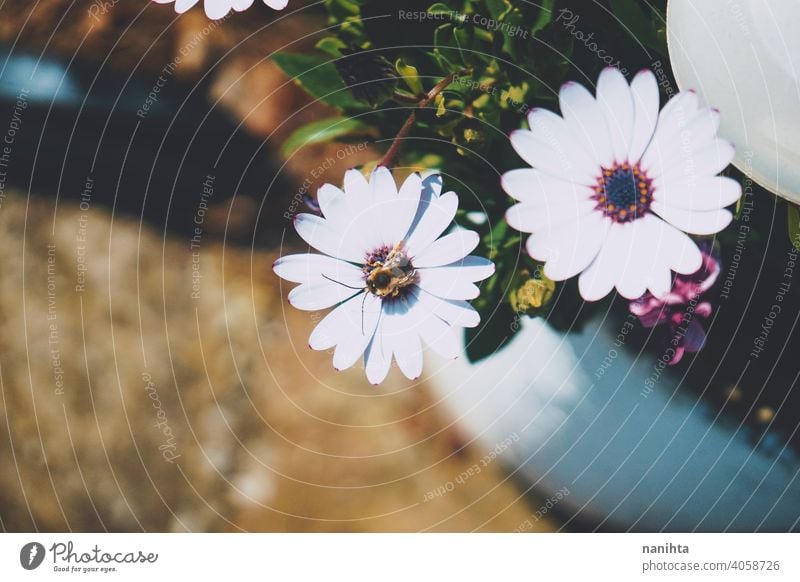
623,192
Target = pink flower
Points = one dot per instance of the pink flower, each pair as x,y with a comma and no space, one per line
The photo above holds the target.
682,306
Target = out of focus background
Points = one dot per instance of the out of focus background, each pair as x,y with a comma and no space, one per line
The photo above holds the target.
151,375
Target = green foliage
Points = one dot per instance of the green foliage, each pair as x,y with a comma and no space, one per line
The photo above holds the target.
517,54
793,218
325,130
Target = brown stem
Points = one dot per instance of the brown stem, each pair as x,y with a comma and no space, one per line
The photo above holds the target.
391,153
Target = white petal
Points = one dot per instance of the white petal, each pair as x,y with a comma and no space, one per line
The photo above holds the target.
544,157
674,117
533,217
655,248
350,327
382,185
614,97
455,281
314,296
552,130
346,323
182,6
378,357
404,208
443,283
707,161
362,320
333,204
599,278
400,335
706,193
638,265
471,267
698,134
357,189
448,249
644,90
585,118
678,250
459,313
323,236
530,185
240,5
309,267
217,8
573,249
276,4
436,217
709,222
442,338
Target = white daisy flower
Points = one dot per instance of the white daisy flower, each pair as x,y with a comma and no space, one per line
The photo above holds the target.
395,281
218,8
616,185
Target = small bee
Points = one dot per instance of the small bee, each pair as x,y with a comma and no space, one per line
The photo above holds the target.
386,278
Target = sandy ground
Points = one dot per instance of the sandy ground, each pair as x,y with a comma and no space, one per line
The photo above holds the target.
134,397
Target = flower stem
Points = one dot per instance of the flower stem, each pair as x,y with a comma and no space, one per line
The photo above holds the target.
391,153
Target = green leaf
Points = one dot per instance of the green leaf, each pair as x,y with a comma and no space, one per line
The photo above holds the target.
545,16
325,130
410,75
497,8
319,78
498,325
637,24
793,216
331,45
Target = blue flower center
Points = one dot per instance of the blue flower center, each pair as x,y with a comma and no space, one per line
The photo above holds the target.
623,192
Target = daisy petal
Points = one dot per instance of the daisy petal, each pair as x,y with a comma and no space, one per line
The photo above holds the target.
400,336
674,117
314,296
638,264
448,249
675,248
443,339
571,252
585,118
543,156
182,6
216,9
276,4
454,312
531,217
355,318
551,129
309,267
404,208
352,348
599,278
644,89
523,184
321,235
438,216
377,358
698,134
614,97
706,193
333,203
357,189
709,222
711,159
